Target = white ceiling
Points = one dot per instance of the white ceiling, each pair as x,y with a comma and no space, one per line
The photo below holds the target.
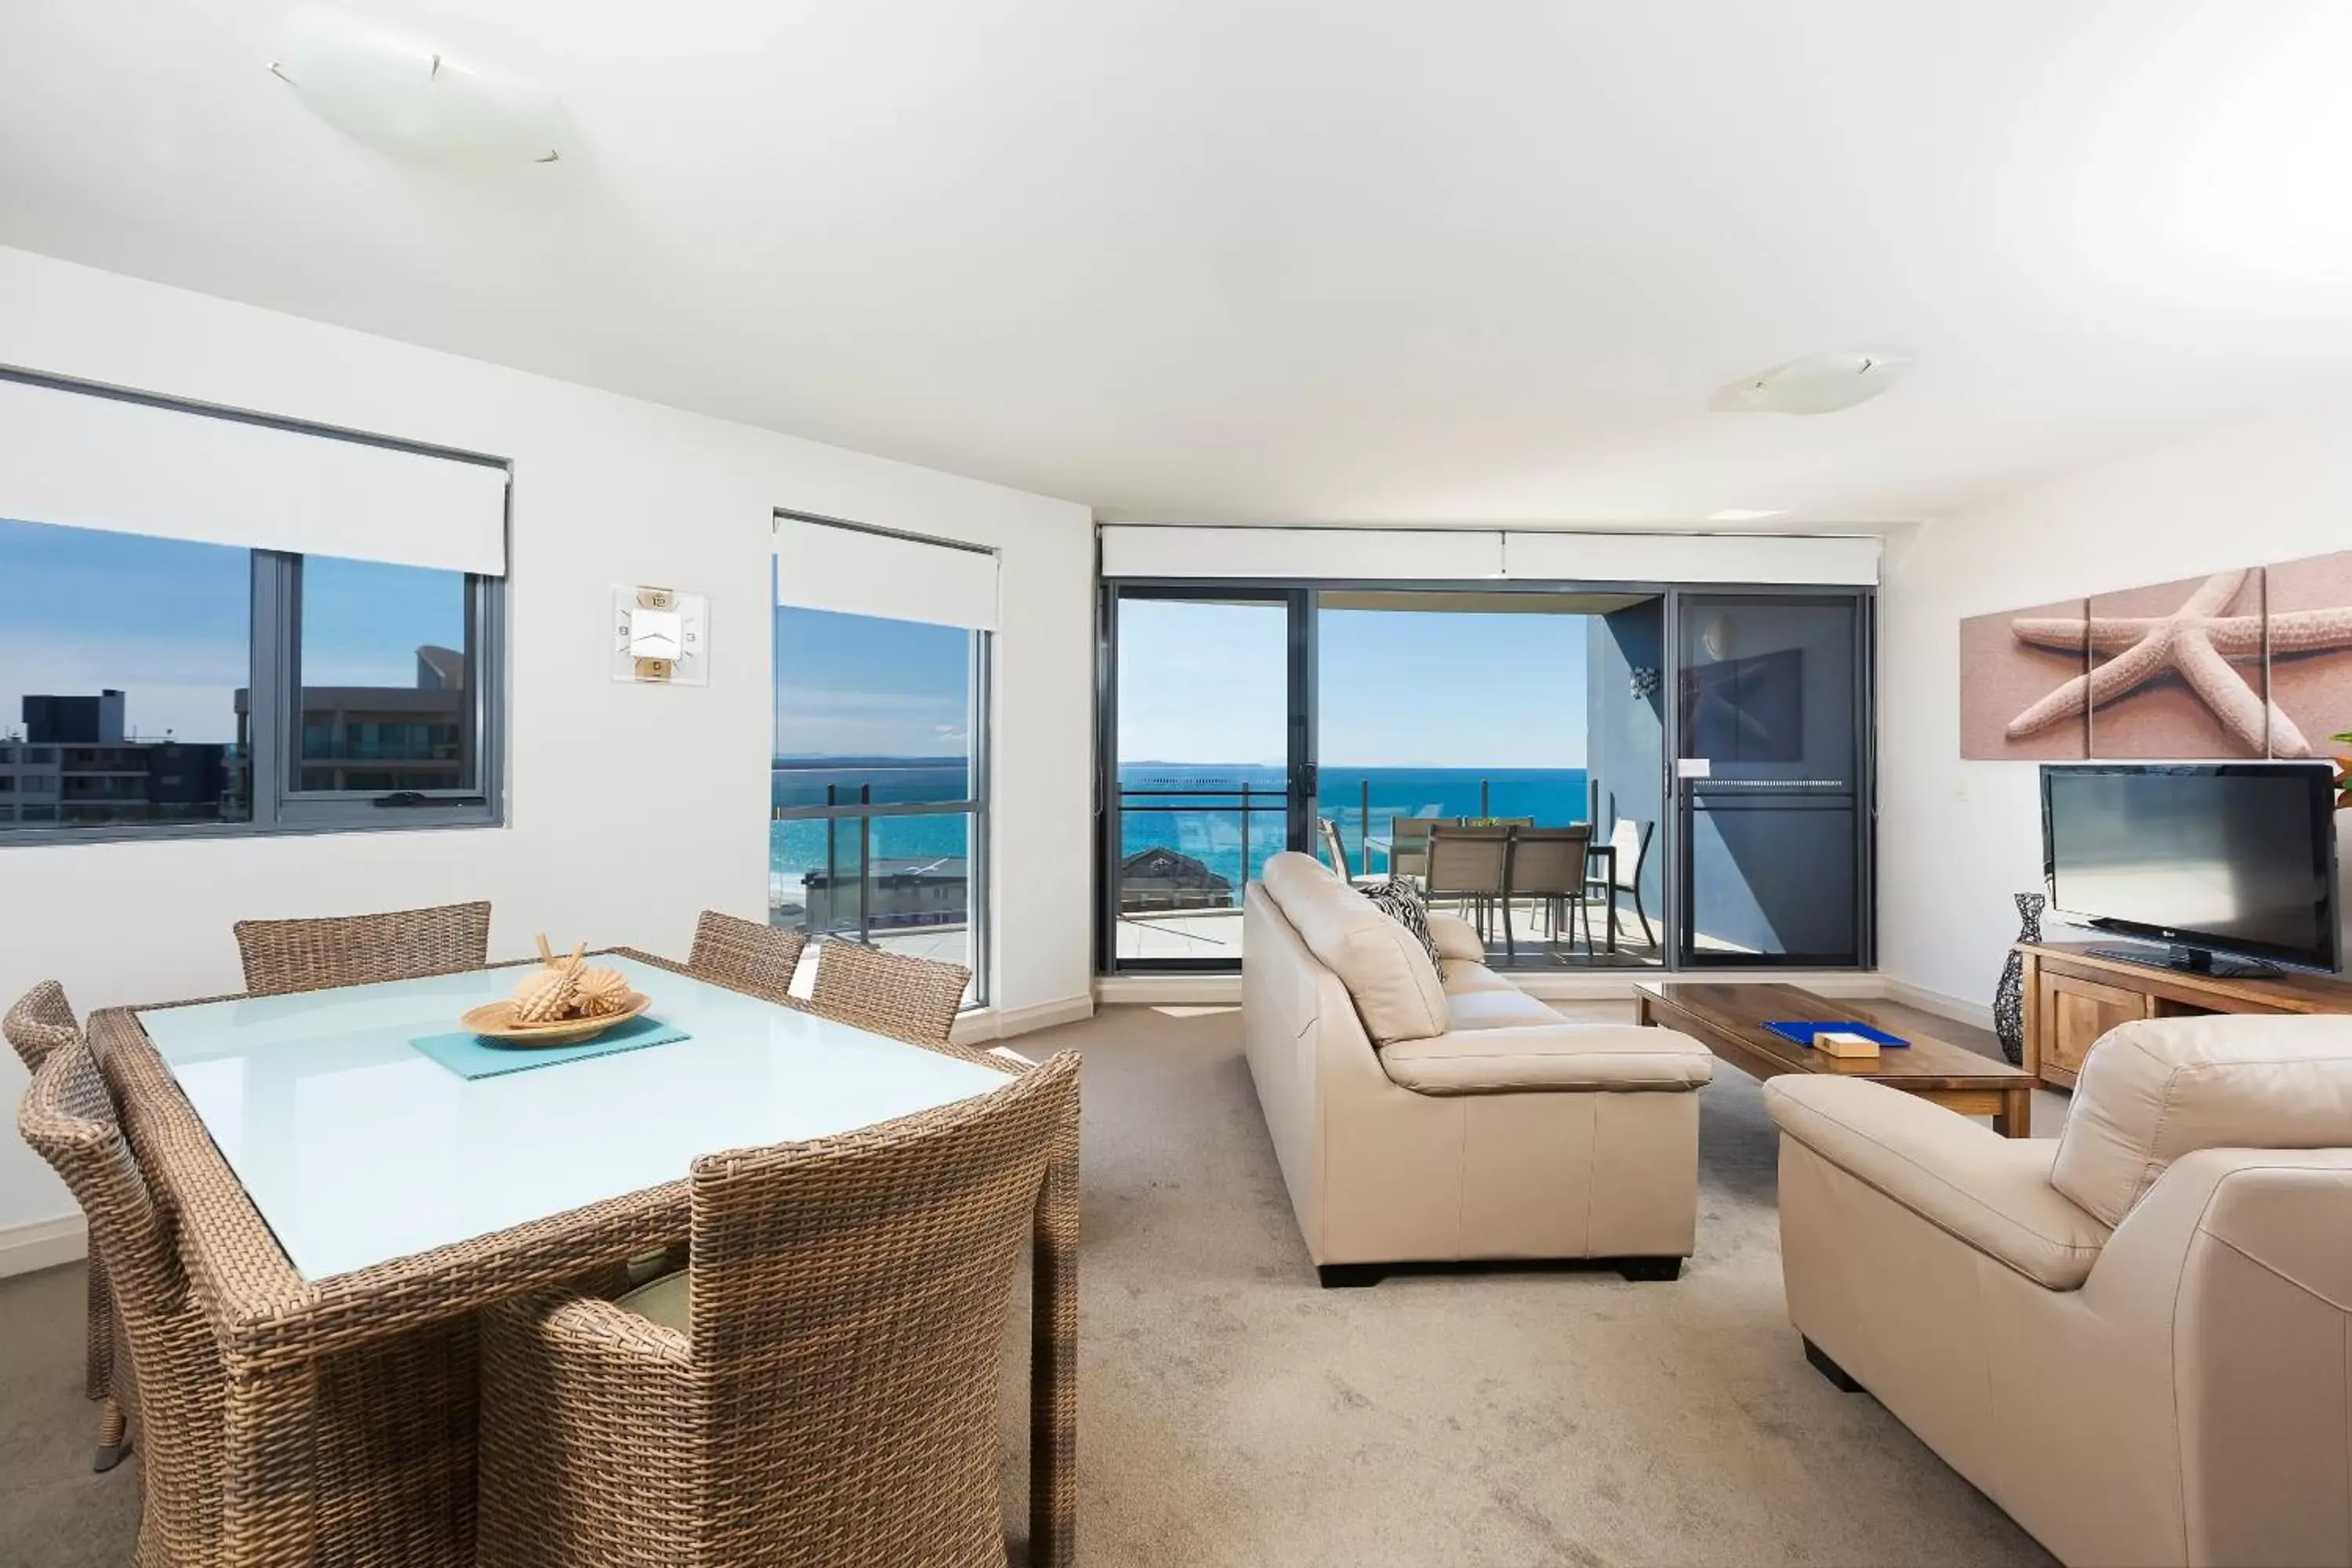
1213,261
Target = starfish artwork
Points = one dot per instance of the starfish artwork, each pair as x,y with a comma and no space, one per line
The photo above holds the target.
2200,645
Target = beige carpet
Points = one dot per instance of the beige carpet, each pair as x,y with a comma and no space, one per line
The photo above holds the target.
1234,1415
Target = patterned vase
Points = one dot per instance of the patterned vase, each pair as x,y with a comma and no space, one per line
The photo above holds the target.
2009,1001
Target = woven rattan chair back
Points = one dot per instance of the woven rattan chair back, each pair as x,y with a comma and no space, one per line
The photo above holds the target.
891,994
356,950
832,1397
850,1300
39,1022
746,956
68,1118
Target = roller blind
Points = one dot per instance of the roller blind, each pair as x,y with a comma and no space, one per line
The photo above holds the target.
87,460
1840,560
1364,554
829,566
1463,555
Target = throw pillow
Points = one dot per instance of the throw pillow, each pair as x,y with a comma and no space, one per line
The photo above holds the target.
1403,902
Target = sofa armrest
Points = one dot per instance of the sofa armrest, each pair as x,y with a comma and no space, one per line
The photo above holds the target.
1527,1058
1456,937
1991,1192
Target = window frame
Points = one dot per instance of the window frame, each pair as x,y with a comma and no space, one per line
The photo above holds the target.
278,646
273,699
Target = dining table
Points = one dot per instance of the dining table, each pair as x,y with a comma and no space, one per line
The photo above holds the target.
344,1205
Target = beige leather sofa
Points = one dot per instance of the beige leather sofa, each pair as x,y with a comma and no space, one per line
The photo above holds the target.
1426,1112
2136,1338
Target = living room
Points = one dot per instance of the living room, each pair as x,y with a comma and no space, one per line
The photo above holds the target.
1255,648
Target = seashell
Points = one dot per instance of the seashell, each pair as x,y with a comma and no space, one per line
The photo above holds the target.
544,997
597,992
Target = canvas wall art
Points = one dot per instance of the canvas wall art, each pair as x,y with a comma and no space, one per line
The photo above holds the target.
2250,662
2311,653
2177,670
2015,685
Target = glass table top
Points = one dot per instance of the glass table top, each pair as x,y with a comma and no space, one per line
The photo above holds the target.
357,1150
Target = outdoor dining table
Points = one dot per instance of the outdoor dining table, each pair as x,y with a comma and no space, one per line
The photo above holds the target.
344,1206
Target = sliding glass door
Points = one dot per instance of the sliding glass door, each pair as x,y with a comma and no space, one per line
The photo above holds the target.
1206,784
1772,726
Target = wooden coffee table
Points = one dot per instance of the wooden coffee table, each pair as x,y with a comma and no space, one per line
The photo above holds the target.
1729,1020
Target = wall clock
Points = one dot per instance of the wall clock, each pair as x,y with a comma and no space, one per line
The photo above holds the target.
659,635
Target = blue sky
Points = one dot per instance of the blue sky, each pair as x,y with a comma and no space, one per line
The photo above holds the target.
858,686
1204,683
167,622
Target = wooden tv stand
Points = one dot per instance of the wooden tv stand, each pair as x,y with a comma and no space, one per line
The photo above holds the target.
2072,998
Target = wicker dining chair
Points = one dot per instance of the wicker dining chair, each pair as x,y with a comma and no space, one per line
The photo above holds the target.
40,1022
745,956
818,1386
68,1118
892,994
356,950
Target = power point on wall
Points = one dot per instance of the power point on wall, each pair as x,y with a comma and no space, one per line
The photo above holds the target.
1960,788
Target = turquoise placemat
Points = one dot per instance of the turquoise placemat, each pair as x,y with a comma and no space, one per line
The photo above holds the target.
475,1056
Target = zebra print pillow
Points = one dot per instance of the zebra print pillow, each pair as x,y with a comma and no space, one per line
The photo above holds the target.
1403,902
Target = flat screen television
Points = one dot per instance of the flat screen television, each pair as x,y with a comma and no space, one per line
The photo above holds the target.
2231,865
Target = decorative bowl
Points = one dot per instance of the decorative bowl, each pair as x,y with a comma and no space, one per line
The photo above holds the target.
496,1021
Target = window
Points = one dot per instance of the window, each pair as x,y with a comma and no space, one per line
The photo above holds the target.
877,818
114,647
877,781
385,662
217,622
154,686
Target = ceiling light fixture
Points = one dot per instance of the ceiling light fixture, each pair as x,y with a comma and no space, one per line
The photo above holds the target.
414,102
1746,514
1817,384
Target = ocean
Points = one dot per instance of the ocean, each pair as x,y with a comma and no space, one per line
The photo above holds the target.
1195,809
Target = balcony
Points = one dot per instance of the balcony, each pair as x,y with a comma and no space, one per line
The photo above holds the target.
1188,851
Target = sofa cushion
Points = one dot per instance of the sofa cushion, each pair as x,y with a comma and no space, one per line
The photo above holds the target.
1403,902
1456,939
1558,1055
1388,975
2152,1091
1461,976
1505,1007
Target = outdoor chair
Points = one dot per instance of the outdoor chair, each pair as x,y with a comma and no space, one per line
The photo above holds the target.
1409,846
1551,865
1631,840
1336,851
1467,866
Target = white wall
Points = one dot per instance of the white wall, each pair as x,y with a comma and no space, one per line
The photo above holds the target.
1957,838
632,807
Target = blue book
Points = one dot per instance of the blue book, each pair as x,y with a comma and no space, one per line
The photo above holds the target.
1803,1032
